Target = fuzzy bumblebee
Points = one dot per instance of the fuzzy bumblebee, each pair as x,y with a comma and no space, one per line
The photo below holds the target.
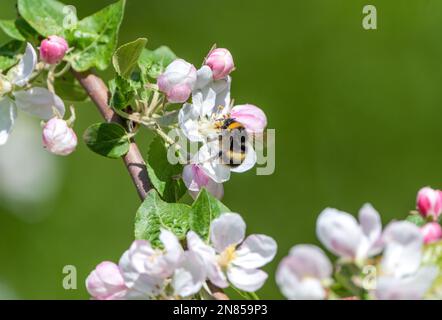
232,142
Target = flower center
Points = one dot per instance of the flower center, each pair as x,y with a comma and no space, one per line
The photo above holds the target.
153,258
227,256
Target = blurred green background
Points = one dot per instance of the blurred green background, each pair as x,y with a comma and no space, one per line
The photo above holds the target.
357,118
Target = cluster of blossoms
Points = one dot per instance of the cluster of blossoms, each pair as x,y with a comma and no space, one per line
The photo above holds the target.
395,254
145,272
209,116
17,92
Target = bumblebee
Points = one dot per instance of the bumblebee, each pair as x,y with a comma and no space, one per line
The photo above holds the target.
232,141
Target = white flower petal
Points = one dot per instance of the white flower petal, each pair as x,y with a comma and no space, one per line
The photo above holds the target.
144,287
222,89
195,179
189,276
188,120
339,232
300,274
173,248
411,287
371,226
256,251
8,113
214,188
370,222
248,280
227,230
310,261
132,262
287,278
249,161
204,77
294,287
205,99
403,248
39,102
21,73
134,268
208,255
310,289
106,282
208,159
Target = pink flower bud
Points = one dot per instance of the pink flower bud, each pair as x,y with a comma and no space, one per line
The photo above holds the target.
431,232
53,49
58,137
177,81
252,117
195,179
429,202
220,61
106,282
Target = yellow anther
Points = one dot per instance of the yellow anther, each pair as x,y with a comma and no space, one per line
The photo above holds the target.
227,256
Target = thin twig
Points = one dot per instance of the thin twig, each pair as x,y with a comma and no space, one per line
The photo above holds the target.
133,160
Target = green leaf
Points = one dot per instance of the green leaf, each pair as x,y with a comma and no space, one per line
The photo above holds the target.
107,139
205,209
345,285
165,177
29,33
95,38
153,63
122,92
8,27
10,54
126,57
45,16
68,88
417,219
155,214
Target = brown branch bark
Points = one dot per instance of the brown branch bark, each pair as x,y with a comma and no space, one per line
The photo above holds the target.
133,160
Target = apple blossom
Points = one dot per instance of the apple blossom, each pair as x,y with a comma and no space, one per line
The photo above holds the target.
340,233
145,268
106,282
429,202
58,137
431,232
220,61
301,275
53,49
232,258
402,276
177,81
200,122
38,102
195,179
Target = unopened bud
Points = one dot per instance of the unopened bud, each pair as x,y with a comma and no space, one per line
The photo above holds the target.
220,60
58,137
431,232
177,81
429,202
53,49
